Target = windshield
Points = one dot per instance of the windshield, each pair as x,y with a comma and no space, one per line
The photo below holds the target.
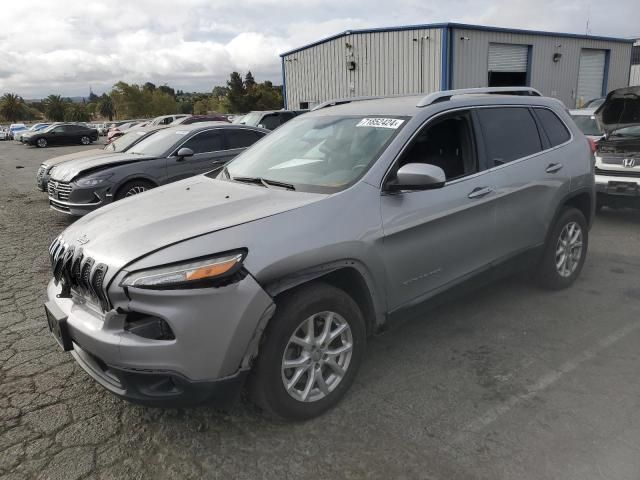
319,154
125,141
252,119
588,124
159,143
633,131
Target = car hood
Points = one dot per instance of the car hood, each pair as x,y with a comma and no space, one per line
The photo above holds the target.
67,171
74,156
124,231
620,109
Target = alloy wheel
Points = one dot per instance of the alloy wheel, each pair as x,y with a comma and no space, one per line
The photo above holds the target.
85,140
135,190
317,356
569,249
42,142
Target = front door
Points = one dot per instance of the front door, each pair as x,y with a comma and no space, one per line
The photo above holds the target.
207,146
435,238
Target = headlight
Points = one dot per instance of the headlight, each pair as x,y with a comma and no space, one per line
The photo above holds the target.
213,271
91,181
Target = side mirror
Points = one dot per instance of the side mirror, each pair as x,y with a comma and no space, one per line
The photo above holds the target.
185,152
260,125
417,176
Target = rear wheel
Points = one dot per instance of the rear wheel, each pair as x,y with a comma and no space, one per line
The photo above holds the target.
310,354
41,142
565,251
134,187
85,140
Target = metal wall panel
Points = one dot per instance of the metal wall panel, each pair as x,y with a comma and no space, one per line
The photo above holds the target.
635,75
470,52
386,63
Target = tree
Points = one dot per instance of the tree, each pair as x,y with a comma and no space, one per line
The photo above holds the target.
201,107
235,98
186,107
106,107
161,104
149,86
249,81
168,90
54,107
219,92
12,107
76,112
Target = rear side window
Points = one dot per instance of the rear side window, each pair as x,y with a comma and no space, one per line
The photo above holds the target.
509,134
271,121
204,142
553,127
237,138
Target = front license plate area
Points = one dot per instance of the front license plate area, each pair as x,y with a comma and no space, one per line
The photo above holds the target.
623,188
57,322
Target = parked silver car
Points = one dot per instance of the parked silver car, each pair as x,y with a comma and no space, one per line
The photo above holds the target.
276,269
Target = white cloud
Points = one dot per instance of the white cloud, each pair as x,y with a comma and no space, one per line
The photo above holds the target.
67,45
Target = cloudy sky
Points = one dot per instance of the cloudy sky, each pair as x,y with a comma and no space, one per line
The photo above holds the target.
65,46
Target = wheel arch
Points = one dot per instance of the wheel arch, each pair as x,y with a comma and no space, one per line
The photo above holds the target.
583,199
116,189
349,275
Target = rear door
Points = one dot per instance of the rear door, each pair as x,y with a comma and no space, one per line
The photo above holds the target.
434,239
529,170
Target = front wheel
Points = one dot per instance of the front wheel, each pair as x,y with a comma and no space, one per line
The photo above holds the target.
41,142
134,187
310,354
565,251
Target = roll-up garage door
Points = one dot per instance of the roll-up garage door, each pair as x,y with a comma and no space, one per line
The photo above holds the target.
506,57
590,75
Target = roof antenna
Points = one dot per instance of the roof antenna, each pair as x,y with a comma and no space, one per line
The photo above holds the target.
588,27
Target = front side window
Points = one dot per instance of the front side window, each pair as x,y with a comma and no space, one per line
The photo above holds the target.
204,142
509,133
447,143
319,154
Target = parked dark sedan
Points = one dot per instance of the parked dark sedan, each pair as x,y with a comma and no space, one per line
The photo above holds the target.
121,144
80,186
61,134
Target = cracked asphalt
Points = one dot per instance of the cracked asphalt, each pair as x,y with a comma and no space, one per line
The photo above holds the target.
508,382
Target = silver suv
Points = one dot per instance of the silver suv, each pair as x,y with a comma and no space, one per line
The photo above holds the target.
274,271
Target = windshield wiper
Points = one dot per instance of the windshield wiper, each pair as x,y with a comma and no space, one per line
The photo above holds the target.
263,181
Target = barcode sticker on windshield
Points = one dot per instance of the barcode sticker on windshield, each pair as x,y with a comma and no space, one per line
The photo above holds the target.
393,123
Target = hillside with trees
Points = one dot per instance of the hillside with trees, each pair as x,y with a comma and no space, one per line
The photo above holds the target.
124,101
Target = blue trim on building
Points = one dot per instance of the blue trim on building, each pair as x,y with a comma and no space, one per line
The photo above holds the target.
459,26
529,64
605,79
284,84
444,61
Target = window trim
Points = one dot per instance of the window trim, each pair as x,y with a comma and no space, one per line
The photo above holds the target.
544,130
258,133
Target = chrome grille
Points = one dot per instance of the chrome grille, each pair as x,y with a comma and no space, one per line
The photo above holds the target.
74,270
59,190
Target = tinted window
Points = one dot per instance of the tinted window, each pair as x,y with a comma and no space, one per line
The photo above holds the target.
237,138
556,132
509,134
209,141
270,121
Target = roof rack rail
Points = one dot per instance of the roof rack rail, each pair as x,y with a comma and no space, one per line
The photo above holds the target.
445,95
342,101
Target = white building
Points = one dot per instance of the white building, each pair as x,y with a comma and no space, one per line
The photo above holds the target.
634,76
425,58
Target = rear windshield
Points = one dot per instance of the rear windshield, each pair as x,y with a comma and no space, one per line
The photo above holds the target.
588,124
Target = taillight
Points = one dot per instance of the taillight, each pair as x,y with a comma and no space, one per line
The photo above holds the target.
593,145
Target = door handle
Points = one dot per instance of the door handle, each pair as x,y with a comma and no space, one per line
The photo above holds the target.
480,192
554,167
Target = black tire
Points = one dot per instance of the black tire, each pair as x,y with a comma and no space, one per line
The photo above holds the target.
41,142
266,382
548,274
134,185
85,140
